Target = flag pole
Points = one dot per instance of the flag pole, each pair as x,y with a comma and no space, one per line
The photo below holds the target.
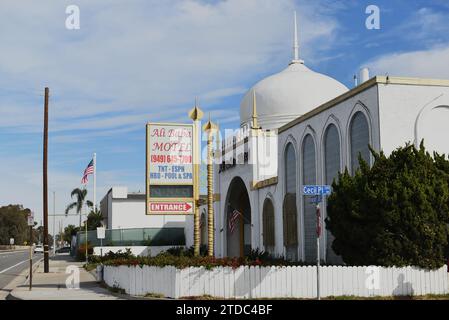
95,182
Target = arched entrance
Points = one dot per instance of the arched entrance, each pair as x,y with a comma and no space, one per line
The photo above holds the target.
238,240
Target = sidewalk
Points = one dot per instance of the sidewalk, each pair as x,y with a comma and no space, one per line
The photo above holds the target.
52,285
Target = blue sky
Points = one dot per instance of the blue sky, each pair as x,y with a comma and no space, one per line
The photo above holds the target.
138,61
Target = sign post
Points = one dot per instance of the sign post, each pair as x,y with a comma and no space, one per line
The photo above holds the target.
31,224
318,192
101,233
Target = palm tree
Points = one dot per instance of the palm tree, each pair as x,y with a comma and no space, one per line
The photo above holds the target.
80,195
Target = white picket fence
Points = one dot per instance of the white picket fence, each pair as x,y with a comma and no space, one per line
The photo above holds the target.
277,282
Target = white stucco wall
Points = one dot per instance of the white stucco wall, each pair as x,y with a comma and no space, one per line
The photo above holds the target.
124,213
399,109
340,115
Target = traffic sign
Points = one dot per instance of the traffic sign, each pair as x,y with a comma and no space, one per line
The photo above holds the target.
315,190
101,232
30,219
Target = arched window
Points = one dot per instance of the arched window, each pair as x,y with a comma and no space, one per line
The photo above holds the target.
331,168
268,226
290,169
309,177
289,206
359,135
331,153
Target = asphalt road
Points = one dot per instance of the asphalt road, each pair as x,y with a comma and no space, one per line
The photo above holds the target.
13,263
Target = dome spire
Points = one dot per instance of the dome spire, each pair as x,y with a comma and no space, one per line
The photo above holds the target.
296,58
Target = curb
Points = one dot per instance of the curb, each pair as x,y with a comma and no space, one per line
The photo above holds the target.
10,295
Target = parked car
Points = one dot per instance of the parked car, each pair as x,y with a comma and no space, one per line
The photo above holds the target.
63,250
39,249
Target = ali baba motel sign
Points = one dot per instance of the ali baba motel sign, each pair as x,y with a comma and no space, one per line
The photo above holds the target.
169,168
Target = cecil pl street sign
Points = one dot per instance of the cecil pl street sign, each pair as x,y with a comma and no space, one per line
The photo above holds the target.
316,190
169,173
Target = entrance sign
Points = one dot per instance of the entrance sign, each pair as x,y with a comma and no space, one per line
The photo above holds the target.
169,168
171,207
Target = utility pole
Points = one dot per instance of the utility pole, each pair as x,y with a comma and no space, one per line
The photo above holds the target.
54,223
31,224
45,182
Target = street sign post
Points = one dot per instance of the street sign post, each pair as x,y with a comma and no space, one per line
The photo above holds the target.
30,220
101,234
318,192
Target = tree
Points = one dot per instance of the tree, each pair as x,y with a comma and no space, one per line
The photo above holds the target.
80,202
395,213
13,224
38,236
69,231
94,219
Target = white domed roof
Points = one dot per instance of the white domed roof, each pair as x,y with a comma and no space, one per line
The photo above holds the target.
289,94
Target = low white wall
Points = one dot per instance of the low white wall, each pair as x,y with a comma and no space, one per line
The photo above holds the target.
277,282
136,250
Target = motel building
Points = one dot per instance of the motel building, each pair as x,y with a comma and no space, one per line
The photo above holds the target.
299,127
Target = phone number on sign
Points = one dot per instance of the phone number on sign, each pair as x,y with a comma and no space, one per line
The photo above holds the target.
171,159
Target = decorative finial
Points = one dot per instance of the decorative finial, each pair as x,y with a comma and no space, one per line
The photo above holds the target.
196,114
255,124
209,126
296,58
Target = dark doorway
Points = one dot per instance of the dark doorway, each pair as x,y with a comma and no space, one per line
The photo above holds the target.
238,242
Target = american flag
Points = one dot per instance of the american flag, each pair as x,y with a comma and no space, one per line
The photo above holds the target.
233,220
89,170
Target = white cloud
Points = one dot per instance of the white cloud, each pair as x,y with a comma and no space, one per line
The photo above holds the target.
431,63
145,55
130,62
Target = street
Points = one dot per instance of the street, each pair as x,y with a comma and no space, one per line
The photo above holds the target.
12,263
